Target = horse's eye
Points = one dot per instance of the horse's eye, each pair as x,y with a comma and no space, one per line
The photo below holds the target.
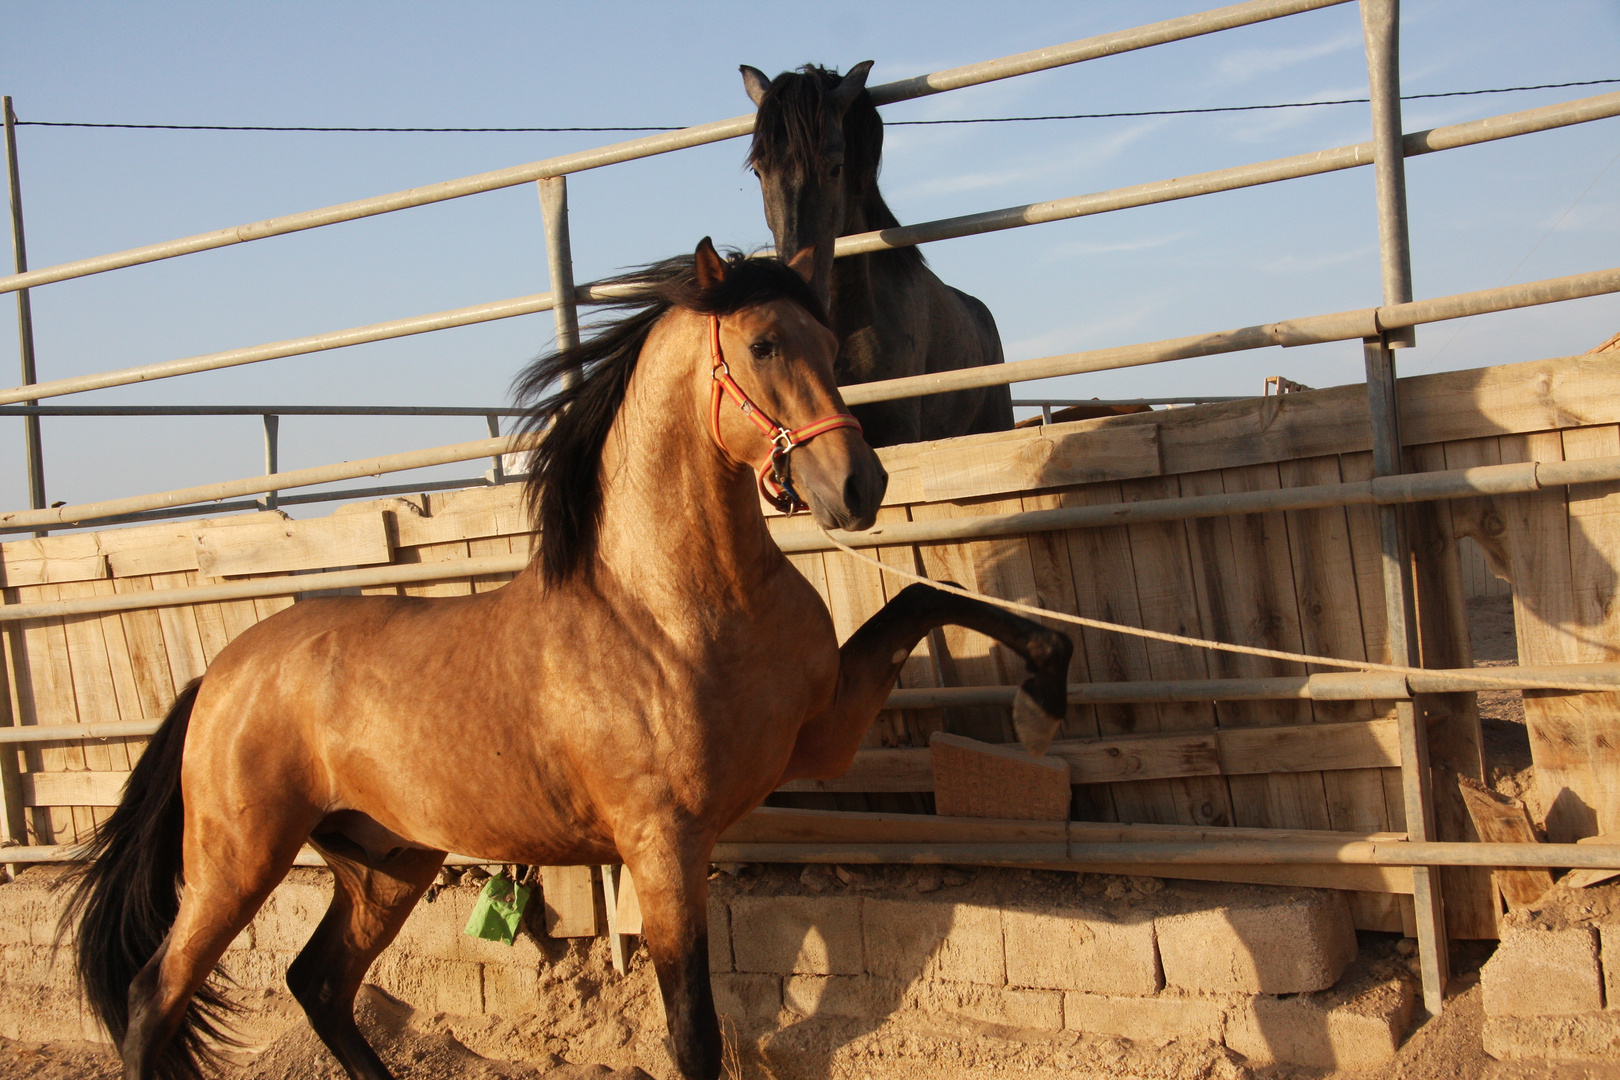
837,170
762,350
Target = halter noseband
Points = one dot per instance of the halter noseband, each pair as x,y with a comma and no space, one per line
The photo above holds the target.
776,475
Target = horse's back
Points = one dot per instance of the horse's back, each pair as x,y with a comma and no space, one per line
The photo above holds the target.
961,333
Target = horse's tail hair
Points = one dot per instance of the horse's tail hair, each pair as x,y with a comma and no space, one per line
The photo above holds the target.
127,893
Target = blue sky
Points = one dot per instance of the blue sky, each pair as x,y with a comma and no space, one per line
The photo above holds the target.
1519,210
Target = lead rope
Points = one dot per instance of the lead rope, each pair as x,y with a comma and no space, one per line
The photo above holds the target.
1503,681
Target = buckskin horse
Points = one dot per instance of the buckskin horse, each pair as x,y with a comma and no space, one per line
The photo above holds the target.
655,671
818,142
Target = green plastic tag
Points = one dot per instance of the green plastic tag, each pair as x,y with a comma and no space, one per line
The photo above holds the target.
499,910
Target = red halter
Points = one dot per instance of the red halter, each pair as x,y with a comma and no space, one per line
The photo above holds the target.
776,475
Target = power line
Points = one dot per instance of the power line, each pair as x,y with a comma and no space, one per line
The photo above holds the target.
889,123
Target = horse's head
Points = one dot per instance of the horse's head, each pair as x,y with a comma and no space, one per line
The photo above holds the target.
773,403
817,143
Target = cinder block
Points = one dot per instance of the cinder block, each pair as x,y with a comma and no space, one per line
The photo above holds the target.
1537,972
436,930
1609,959
719,935
910,939
451,986
292,912
1286,943
1077,950
1362,1029
757,997
860,997
1150,1019
511,989
1040,1010
797,935
1585,1037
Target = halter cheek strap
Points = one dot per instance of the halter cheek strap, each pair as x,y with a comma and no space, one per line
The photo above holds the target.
776,475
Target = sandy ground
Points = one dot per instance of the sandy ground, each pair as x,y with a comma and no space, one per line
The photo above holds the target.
419,1046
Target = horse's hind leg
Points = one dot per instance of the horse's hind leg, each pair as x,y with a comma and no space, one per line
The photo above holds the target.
219,899
370,901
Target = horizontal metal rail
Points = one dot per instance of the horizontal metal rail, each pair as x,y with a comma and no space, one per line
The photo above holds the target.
275,410
1341,326
1188,26
1064,403
1488,129
382,491
1512,479
1312,330
1316,163
1077,856
1330,686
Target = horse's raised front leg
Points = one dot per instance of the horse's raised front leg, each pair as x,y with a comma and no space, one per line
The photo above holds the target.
871,659
671,875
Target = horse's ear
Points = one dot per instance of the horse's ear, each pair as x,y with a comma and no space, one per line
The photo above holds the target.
711,268
845,93
755,82
804,263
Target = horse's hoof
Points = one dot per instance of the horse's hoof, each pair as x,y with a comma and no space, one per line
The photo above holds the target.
1035,725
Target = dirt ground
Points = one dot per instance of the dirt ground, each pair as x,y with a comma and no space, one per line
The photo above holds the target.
420,1046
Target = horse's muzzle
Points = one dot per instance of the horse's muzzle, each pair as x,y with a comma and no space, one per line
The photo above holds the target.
842,479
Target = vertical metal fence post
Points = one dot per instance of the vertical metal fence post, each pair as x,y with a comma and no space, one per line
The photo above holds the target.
497,473
560,262
272,448
1380,22
25,315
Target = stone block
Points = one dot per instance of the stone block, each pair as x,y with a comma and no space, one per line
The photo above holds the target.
797,935
1040,1010
1355,1027
756,997
910,939
719,935
1538,972
1077,950
511,989
292,912
451,986
1151,1019
860,997
1609,960
1583,1037
436,929
1274,943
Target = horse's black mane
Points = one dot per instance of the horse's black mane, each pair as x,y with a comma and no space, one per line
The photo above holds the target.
564,490
788,137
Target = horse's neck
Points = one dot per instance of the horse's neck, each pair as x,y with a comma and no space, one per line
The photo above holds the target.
677,517
858,297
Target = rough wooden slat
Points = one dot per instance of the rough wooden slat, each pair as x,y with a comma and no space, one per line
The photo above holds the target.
627,905
1501,820
77,787
53,571
1085,454
975,779
1319,747
284,546
570,901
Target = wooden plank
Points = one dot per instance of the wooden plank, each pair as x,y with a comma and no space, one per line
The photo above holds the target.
182,641
281,547
148,656
53,571
168,547
627,905
570,901
505,518
1086,453
781,825
976,779
54,702
1501,820
1232,751
618,946
76,788
451,551
1166,600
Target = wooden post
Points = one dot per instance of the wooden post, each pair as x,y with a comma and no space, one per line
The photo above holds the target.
560,262
25,316
617,942
13,823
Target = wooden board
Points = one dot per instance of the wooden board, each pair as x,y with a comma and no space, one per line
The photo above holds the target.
73,788
1501,820
272,547
1084,454
976,779
569,895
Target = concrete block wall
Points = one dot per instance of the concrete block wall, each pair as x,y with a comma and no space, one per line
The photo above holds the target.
1212,974
1552,991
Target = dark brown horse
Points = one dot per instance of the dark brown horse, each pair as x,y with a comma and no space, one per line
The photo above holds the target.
654,673
818,142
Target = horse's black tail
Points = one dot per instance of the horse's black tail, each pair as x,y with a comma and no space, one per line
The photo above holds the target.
127,894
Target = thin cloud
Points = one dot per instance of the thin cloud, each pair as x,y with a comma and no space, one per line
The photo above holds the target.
1084,248
1077,337
1247,64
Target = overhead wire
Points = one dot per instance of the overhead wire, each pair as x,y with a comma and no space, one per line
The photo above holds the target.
889,123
